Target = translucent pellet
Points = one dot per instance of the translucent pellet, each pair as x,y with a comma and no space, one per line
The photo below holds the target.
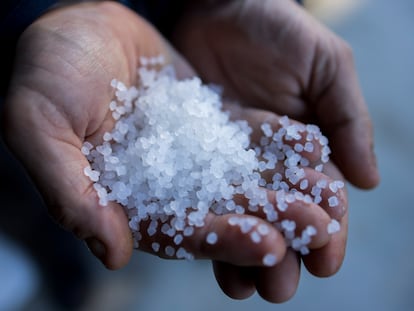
310,230
317,199
333,201
188,231
308,147
319,168
155,246
298,147
233,221
255,236
174,157
304,184
304,250
182,253
334,226
296,243
151,231
316,190
336,185
169,251
321,183
86,148
263,229
178,239
267,129
288,225
269,260
212,238
340,184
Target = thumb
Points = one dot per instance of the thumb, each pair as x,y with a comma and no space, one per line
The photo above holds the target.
346,120
56,166
73,203
108,236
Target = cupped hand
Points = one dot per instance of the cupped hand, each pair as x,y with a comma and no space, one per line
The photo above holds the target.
327,252
250,252
58,98
274,55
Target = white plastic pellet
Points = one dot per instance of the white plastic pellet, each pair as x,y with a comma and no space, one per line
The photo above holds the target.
212,238
334,226
269,260
174,157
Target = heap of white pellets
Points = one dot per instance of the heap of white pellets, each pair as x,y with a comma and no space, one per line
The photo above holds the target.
174,156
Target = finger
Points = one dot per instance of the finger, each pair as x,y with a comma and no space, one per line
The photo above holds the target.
303,214
279,283
305,141
319,188
76,207
56,167
108,236
235,282
344,116
215,240
327,260
309,145
325,191
300,134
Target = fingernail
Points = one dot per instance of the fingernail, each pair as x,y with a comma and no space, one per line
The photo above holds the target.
96,247
373,155
374,162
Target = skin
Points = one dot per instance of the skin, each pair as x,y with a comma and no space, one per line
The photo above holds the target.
273,55
58,98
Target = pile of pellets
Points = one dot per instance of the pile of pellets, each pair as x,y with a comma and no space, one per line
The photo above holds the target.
174,156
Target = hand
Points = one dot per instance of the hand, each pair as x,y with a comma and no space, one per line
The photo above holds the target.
273,55
279,283
238,260
59,97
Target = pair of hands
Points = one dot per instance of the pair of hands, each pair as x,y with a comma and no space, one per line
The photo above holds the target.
271,56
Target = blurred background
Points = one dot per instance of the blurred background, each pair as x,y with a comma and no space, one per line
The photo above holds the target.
44,268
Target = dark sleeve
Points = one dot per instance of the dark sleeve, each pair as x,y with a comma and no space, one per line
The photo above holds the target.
163,14
15,16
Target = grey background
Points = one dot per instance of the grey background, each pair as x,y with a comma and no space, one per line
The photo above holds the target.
378,272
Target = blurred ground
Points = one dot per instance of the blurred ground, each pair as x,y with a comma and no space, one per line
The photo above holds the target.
378,272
